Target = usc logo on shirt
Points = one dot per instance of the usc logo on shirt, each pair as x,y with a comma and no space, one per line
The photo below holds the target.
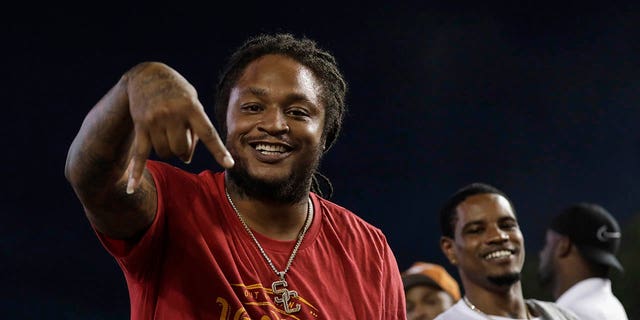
261,299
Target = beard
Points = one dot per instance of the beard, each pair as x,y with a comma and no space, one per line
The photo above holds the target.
288,190
505,280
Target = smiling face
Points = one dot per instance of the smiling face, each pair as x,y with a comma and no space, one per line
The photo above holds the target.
275,120
487,247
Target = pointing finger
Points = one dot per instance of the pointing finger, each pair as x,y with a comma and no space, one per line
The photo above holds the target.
203,128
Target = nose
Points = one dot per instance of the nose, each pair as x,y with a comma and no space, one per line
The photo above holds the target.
273,121
497,235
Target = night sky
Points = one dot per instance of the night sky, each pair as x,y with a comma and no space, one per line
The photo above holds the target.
540,100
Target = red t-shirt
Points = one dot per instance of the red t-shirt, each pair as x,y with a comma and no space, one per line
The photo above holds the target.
196,261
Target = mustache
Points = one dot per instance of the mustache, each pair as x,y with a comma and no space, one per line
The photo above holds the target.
281,138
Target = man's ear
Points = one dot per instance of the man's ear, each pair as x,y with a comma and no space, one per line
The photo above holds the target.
446,245
563,246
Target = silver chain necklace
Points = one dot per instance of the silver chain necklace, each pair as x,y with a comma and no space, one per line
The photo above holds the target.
474,308
279,287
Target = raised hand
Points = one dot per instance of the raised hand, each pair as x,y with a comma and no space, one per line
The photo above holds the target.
168,117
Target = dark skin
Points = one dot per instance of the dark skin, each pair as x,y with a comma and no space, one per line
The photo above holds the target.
426,302
488,243
154,108
275,103
561,264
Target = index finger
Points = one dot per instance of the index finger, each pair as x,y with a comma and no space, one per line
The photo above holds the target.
207,133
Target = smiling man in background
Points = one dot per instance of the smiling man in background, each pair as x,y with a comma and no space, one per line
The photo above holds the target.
481,236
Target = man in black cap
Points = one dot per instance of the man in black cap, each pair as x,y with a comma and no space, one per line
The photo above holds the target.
580,250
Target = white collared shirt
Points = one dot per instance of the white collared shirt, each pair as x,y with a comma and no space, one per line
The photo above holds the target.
592,299
460,310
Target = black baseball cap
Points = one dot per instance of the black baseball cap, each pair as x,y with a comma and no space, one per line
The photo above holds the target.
593,230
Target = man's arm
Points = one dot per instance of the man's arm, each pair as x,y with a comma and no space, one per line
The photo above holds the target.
151,107
394,302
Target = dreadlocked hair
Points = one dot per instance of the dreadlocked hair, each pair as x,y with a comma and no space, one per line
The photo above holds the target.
306,52
317,188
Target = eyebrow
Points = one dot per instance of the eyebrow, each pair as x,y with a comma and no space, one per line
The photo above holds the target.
482,222
257,91
290,97
473,223
510,219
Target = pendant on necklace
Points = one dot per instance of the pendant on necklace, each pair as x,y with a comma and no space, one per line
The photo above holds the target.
279,287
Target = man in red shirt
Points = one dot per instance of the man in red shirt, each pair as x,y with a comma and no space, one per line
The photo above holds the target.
256,241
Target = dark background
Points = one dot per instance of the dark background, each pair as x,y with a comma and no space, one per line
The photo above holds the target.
539,99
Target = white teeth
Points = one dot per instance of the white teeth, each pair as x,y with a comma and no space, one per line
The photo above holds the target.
268,148
497,254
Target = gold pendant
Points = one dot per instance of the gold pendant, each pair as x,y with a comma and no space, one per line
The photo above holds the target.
279,287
